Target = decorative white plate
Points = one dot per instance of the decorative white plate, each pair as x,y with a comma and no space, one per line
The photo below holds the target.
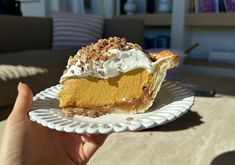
172,101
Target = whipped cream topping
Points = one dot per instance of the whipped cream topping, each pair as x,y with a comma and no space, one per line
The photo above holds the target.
119,61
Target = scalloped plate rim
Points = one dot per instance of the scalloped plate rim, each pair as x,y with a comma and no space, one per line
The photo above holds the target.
39,114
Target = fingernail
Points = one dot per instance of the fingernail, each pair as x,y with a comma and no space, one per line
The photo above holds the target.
20,83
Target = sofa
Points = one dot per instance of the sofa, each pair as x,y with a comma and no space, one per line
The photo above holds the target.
26,53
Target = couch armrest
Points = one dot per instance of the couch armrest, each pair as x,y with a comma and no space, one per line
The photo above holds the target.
24,33
132,29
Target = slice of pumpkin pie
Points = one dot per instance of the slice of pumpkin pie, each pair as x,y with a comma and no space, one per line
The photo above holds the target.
113,76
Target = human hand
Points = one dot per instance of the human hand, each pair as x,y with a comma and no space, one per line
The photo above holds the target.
26,142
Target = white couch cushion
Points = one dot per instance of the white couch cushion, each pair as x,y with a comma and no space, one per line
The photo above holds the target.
74,31
8,72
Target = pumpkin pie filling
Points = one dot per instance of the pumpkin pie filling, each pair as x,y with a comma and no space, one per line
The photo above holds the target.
105,92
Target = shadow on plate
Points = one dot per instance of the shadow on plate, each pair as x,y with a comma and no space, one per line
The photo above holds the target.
169,93
188,120
227,158
46,103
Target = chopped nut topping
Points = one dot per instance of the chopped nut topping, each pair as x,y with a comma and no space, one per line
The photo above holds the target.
96,54
74,59
113,56
65,71
130,119
70,112
101,47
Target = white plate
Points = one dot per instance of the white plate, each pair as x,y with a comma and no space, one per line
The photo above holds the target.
172,101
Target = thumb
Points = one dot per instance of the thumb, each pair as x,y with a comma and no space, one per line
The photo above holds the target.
91,143
23,103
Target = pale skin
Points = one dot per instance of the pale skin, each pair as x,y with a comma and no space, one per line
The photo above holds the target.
28,143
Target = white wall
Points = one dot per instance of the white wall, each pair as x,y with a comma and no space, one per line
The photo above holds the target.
42,8
178,30
210,38
154,32
37,8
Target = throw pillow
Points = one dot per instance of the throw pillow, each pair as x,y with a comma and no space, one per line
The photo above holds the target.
75,31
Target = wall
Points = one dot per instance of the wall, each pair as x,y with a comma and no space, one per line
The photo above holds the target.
211,38
37,8
42,8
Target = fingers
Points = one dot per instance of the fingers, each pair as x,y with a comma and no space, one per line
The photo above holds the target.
91,143
95,139
23,102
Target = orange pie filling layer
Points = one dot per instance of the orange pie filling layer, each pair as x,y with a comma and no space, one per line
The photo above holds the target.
127,91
